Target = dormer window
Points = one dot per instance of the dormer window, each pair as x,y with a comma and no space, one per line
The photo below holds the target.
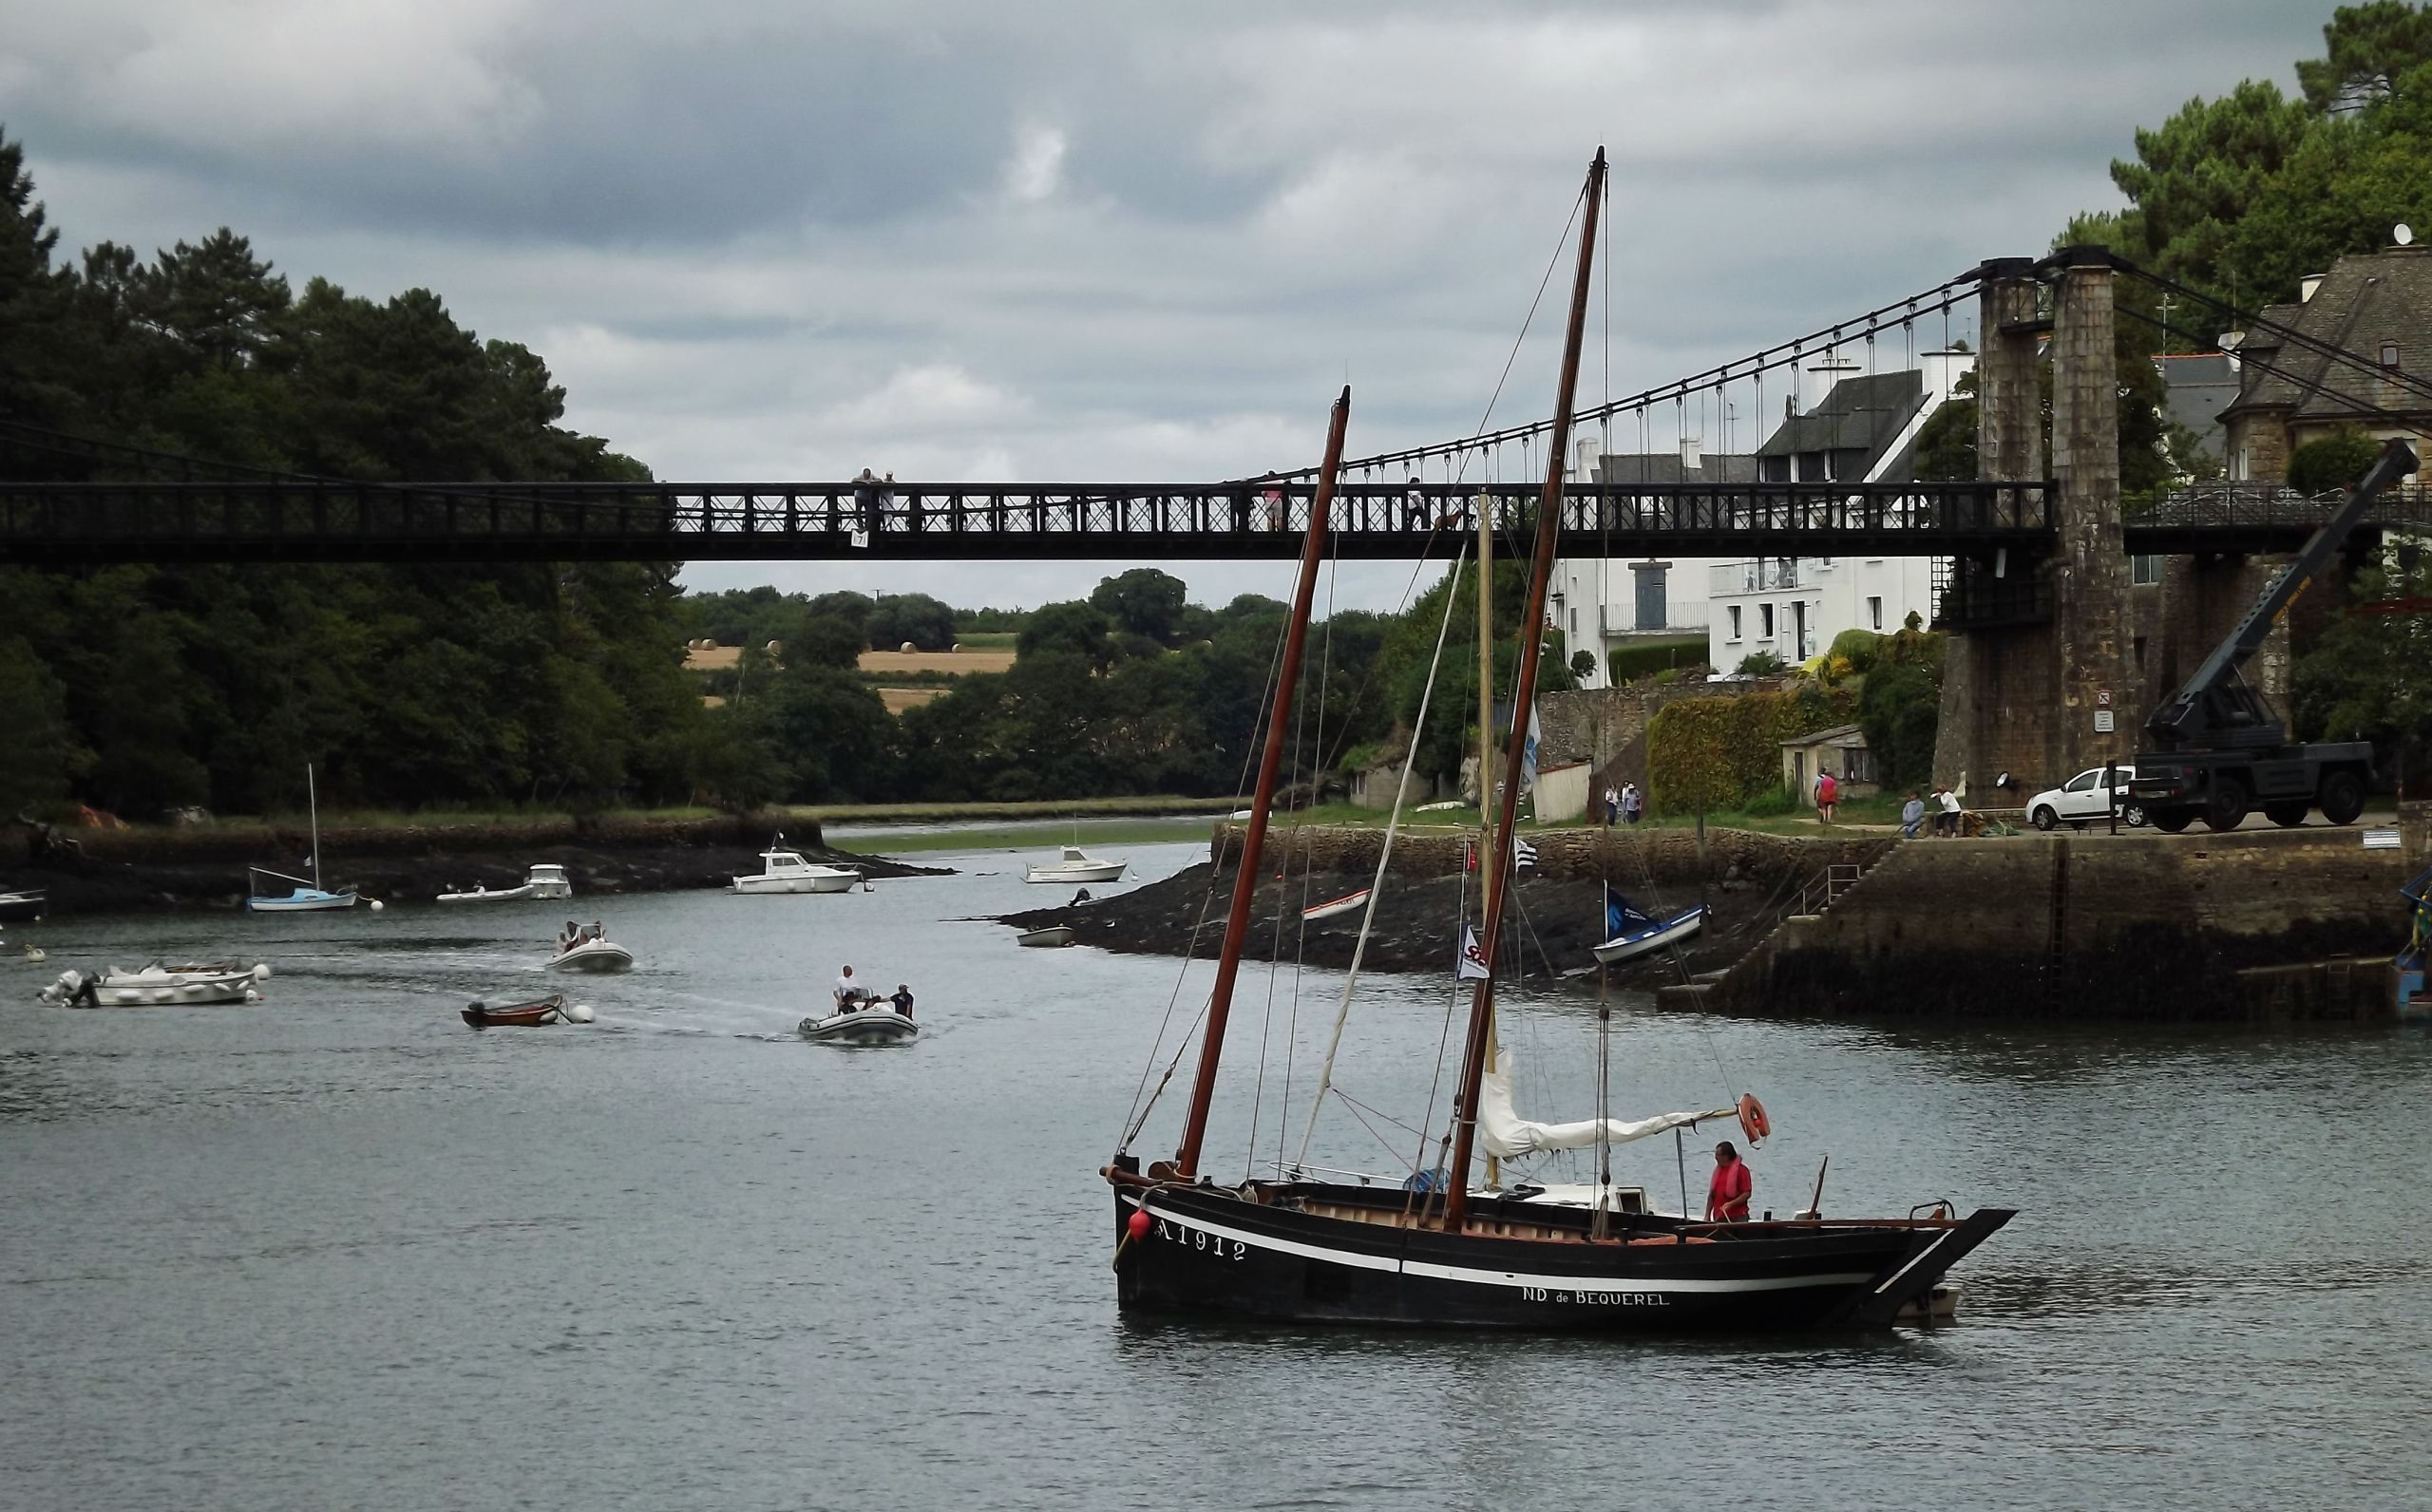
2390,354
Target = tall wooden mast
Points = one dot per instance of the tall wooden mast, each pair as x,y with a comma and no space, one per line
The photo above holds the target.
1237,923
1523,688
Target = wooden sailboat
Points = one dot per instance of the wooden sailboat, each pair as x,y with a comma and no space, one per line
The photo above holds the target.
307,896
1435,1253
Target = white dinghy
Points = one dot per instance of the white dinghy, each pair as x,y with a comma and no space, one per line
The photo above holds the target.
784,871
487,895
158,985
1630,932
1075,865
874,1025
593,953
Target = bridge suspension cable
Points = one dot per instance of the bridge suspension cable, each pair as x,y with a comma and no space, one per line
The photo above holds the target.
1941,299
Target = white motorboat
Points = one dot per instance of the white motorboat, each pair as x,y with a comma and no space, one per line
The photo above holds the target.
784,871
487,895
1075,865
1631,933
592,954
24,905
158,985
876,1024
548,880
1050,934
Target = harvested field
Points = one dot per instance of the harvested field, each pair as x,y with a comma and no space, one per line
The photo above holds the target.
937,661
898,699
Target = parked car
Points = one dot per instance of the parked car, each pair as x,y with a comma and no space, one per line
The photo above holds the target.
2080,801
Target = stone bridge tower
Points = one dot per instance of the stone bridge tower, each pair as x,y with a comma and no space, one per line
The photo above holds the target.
2041,651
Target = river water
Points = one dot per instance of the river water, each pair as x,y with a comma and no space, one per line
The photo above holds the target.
339,1251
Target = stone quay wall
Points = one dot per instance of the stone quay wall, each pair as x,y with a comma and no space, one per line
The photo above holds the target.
1620,854
2251,928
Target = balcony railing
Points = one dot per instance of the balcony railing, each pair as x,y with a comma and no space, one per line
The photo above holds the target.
1759,576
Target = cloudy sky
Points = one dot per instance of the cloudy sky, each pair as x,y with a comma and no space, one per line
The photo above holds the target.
964,239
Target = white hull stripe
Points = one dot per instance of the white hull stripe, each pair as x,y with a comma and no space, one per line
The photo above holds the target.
1505,1278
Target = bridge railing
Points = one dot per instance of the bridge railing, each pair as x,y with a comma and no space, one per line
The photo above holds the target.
294,519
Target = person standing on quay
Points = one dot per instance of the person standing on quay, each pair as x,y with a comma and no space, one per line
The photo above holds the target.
1727,1195
1949,814
1828,791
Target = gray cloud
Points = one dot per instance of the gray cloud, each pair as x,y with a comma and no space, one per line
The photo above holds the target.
964,239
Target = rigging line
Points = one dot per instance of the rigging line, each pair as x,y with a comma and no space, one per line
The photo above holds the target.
1380,1138
2329,352
1375,1111
1443,1046
1384,857
1300,952
1138,1118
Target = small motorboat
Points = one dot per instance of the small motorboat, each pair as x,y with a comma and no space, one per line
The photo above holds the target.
1348,903
487,895
593,953
784,871
25,905
540,1011
873,1022
1631,933
1075,865
158,985
542,880
1050,934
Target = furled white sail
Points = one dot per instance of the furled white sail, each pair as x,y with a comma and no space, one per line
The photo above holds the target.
1508,1135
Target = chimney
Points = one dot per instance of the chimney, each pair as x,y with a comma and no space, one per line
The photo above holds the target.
1692,454
2306,286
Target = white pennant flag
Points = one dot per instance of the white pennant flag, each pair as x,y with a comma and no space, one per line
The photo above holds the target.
1528,753
1472,963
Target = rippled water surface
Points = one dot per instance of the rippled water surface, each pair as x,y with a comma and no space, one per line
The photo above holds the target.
340,1251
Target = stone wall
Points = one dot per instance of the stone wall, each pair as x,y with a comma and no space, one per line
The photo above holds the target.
1670,855
2142,927
1607,725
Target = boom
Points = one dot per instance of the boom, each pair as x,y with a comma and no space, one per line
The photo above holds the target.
2215,708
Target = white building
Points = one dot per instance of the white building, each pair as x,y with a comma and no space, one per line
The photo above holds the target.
1864,431
1602,604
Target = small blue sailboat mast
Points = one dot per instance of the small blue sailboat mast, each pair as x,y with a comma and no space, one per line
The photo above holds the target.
308,896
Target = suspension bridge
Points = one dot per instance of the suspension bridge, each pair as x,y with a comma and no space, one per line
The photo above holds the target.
66,503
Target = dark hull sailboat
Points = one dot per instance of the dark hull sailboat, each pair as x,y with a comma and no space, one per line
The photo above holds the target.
1438,1252
1313,1252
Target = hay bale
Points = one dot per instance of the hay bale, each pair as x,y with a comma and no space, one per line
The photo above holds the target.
907,647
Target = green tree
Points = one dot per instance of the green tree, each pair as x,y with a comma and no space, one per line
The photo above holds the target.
2332,463
926,622
1071,626
2195,176
2367,50
41,755
1900,710
1144,601
2368,676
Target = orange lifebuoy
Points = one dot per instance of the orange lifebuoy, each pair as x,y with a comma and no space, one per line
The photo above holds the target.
1753,1122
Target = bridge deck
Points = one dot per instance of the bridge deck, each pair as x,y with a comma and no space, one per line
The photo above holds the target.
49,523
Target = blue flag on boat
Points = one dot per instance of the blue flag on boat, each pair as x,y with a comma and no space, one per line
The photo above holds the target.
1620,917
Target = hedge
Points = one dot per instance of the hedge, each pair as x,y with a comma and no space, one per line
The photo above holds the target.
1729,751
1633,662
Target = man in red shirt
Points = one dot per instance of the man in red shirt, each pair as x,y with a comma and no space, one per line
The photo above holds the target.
1727,1197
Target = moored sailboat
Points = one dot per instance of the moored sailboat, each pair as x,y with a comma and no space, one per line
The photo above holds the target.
1435,1251
307,896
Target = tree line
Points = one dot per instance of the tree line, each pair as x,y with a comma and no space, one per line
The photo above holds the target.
148,689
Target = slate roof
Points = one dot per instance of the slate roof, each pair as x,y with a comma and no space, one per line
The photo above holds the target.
1859,413
2367,300
1665,468
2199,384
